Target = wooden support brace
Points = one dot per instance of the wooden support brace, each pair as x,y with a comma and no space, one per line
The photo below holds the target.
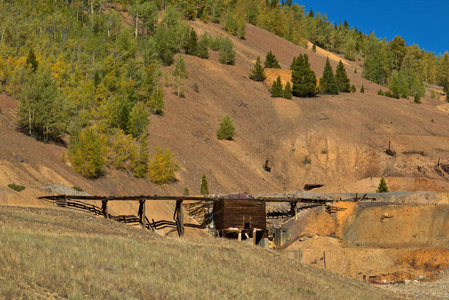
141,213
104,208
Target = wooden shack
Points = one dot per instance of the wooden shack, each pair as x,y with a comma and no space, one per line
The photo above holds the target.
238,216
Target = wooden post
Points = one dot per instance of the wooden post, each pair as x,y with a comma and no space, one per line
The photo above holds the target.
240,236
324,258
255,236
142,215
179,217
295,205
104,208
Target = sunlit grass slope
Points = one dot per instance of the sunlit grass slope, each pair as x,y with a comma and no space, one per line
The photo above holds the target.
57,253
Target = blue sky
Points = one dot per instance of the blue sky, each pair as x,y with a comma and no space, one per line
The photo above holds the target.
425,23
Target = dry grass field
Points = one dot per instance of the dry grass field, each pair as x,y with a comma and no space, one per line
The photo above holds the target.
48,253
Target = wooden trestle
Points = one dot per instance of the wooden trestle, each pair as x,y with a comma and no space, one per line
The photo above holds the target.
61,200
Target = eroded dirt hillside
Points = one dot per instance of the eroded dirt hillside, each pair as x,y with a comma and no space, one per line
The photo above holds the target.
344,137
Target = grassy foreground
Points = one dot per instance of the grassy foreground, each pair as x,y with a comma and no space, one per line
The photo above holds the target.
57,253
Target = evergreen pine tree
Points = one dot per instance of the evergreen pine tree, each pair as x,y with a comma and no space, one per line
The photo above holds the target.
203,51
362,89
314,47
257,72
227,129
287,91
343,81
276,88
180,73
42,110
139,164
383,188
226,52
156,101
138,120
446,89
32,61
204,186
191,46
271,61
303,78
328,83
180,68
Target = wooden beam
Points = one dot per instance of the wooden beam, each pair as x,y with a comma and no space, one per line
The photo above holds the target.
197,198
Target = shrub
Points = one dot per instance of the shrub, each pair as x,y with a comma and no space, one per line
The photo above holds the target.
391,95
380,92
16,187
162,167
433,95
362,89
306,160
353,89
196,87
77,188
227,129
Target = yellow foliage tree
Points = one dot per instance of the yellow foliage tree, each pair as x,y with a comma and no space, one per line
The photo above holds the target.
162,167
88,153
122,150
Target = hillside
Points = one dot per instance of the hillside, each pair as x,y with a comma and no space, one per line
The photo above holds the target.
344,136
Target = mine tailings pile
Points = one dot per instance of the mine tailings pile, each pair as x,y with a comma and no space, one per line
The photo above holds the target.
398,237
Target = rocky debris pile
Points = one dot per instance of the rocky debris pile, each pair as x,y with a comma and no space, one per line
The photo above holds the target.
63,190
438,289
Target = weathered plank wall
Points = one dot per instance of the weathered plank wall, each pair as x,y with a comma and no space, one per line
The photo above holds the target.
233,213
